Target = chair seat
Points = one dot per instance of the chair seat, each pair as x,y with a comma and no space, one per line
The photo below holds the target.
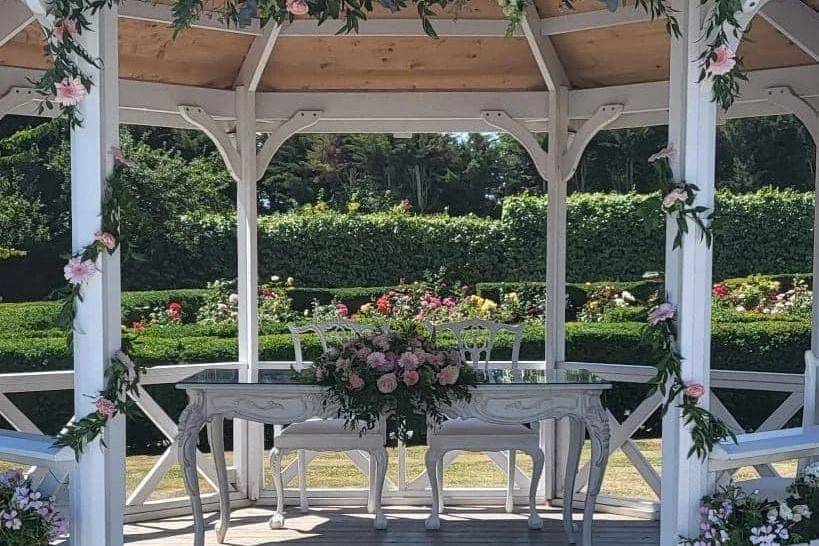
766,447
476,427
329,434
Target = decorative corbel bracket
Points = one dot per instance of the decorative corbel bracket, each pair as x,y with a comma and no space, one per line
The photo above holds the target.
599,120
39,10
501,120
15,98
226,146
299,121
784,97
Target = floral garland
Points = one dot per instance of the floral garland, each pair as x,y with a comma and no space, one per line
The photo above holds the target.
122,375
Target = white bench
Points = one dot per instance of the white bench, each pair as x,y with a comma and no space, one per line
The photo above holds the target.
775,445
54,464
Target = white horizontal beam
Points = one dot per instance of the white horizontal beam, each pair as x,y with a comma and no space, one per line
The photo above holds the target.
590,20
161,13
397,28
797,21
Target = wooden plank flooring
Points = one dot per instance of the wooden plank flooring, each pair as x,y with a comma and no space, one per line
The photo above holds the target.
353,527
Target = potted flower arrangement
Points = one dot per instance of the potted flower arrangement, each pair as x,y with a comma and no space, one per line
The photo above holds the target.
27,518
399,374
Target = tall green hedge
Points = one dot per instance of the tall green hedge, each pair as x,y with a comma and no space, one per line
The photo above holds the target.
769,231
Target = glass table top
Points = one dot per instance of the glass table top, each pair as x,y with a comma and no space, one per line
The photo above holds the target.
492,377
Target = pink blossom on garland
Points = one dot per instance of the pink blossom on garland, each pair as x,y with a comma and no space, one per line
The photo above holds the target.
105,407
119,157
106,239
663,312
694,390
297,7
674,196
63,27
666,153
724,62
70,92
77,270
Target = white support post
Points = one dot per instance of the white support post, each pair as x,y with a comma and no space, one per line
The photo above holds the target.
692,132
249,440
98,485
555,273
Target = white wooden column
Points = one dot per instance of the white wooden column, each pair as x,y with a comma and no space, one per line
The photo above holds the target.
814,331
248,443
98,485
692,132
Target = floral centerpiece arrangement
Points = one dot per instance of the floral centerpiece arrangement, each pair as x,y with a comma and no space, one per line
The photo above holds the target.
27,518
732,516
402,375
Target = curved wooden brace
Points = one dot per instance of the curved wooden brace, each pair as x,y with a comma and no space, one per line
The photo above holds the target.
501,120
299,121
749,10
602,117
15,98
205,123
784,97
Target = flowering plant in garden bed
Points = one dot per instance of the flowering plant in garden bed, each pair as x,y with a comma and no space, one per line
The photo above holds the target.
26,517
403,375
763,295
732,516
173,313
603,299
222,302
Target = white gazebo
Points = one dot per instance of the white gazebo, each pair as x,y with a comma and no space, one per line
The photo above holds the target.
566,73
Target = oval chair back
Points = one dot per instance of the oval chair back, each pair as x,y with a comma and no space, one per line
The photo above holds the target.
326,330
475,339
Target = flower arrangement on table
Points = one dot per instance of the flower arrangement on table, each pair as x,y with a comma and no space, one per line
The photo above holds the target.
403,375
26,517
732,516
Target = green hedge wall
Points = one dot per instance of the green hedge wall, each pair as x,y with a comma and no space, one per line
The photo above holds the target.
764,232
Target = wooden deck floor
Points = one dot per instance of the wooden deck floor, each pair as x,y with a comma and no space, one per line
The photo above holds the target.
353,527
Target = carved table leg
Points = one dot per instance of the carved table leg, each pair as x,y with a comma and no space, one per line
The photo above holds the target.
216,438
380,457
598,425
576,437
277,520
190,423
431,460
537,471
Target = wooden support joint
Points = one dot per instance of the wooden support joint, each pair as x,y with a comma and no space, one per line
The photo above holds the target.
501,120
299,121
15,98
807,114
227,147
599,120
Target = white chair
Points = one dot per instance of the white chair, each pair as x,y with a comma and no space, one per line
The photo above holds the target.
329,434
475,340
772,446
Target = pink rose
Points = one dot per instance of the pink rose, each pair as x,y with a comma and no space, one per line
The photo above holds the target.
724,61
449,375
363,353
408,361
449,302
666,153
411,377
342,363
63,27
381,342
387,383
106,239
342,310
356,382
677,194
377,360
297,7
663,312
105,407
320,374
77,270
69,92
694,390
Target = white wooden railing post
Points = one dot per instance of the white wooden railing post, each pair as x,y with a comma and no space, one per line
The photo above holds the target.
692,132
98,486
249,436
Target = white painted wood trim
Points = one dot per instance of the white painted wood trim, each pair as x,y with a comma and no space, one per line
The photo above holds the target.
571,158
15,98
797,22
499,119
16,17
543,51
299,121
257,57
802,109
203,121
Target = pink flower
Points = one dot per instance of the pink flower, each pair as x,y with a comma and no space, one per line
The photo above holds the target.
105,407
119,157
342,363
694,390
408,361
381,342
449,302
70,91
677,194
449,375
377,359
297,7
411,377
319,374
63,27
77,270
106,239
663,312
356,383
363,353
666,153
342,310
724,62
387,383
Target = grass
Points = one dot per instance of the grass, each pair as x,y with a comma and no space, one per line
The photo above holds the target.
334,470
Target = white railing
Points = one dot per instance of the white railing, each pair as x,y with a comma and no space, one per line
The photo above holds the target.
412,489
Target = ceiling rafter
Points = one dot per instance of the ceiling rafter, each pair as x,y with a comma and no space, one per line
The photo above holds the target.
16,17
549,64
250,73
797,21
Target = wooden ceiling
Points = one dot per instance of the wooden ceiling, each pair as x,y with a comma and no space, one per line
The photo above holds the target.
632,53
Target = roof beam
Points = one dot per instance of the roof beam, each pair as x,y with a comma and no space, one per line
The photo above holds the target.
797,21
590,20
16,17
551,69
161,13
257,57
